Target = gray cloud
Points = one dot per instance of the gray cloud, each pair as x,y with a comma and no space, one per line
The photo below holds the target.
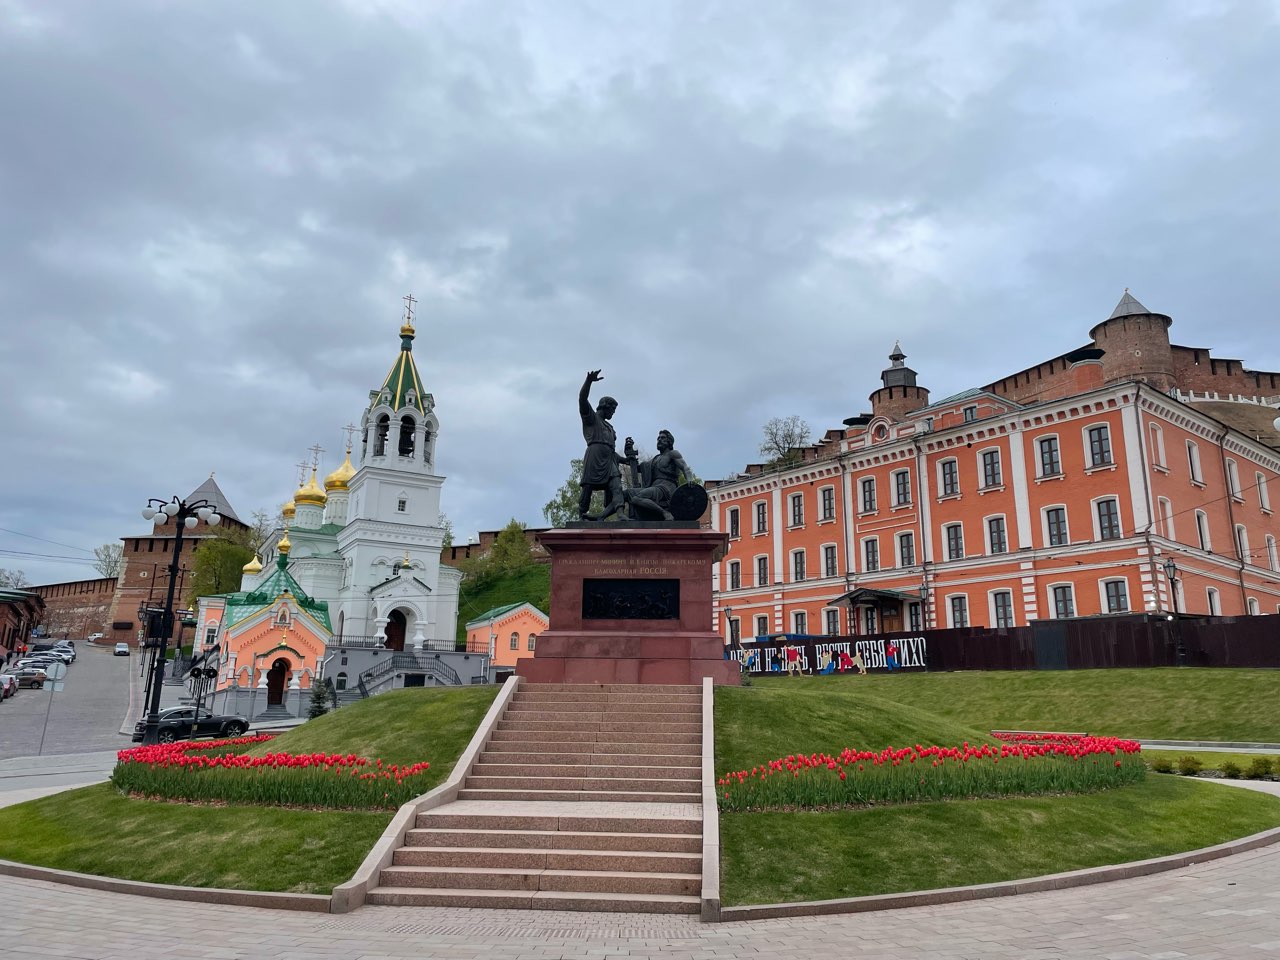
210,213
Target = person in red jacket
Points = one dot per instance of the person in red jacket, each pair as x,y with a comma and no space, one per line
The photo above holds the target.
891,655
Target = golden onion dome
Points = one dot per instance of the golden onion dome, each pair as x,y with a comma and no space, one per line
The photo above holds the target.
289,510
253,566
340,479
310,492
284,546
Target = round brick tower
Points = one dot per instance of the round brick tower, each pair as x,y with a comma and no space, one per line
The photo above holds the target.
899,395
1136,344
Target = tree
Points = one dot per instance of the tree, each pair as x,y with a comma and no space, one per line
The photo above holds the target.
562,509
255,535
447,525
109,559
15,579
511,551
217,567
782,437
318,705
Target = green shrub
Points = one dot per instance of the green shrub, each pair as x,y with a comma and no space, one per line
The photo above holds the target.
1259,768
1189,766
1162,765
1231,770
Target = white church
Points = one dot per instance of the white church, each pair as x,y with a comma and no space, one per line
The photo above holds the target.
352,588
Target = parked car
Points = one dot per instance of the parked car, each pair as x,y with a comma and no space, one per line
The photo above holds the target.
8,685
63,656
30,677
35,663
94,637
180,723
121,650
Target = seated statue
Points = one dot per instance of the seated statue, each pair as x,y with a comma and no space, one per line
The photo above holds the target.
658,479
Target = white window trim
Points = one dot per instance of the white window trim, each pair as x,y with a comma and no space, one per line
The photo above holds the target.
968,611
1044,524
1159,459
894,485
1273,557
822,552
734,565
1264,495
728,523
897,549
986,534
791,565
1164,510
795,624
946,540
982,471
755,620
755,569
862,555
1214,599
1207,546
875,497
1088,447
1242,542
1039,461
991,607
756,529
1102,594
1193,463
827,611
1053,606
1252,606
1233,481
832,518
1097,523
792,500
942,486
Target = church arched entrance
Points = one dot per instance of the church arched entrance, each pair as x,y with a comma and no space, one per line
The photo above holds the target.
395,630
277,679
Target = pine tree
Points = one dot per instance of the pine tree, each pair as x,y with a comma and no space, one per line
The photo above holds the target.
318,706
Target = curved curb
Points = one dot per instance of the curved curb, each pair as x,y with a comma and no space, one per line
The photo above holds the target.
1008,888
309,902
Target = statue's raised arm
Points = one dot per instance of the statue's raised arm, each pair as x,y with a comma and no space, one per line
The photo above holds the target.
600,462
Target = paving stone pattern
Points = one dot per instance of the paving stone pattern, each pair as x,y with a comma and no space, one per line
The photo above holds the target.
1225,909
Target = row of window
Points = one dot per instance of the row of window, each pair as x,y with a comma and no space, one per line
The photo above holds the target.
1196,471
515,640
991,470
1055,530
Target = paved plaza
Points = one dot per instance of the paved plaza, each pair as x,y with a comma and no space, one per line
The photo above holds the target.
1225,909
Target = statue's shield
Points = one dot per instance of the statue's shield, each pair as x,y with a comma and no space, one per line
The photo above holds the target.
688,502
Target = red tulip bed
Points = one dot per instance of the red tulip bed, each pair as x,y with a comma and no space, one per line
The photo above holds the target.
198,773
853,778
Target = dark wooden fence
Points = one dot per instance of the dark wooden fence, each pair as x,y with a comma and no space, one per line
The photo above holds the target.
1134,640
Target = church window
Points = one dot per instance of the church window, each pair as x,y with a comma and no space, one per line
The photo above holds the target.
426,445
282,618
515,641
380,440
533,638
407,430
402,505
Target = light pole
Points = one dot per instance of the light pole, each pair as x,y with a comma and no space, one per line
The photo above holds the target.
1171,574
184,516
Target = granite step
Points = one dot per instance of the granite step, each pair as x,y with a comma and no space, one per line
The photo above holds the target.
534,858
604,784
626,711
655,727
554,840
592,739
528,900
630,759
577,796
634,688
606,699
515,879
584,771
571,823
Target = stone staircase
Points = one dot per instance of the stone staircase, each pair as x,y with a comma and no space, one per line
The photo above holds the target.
586,797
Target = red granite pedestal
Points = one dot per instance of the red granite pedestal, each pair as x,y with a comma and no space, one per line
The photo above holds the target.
630,605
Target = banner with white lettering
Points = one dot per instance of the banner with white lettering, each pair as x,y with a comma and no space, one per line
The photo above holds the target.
812,655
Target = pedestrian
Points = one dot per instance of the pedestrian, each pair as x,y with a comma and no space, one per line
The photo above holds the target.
891,656
793,660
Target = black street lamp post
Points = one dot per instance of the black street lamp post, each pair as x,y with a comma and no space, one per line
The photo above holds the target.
184,516
1171,574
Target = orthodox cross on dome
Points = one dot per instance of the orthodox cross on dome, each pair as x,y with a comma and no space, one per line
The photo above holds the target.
409,301
350,430
316,450
302,466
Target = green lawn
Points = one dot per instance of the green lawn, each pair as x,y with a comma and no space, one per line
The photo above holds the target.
1157,704
532,584
96,830
780,857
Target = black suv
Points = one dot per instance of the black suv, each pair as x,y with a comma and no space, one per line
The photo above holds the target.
180,723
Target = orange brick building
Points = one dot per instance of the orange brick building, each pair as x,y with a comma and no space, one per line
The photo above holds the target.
1058,491
507,634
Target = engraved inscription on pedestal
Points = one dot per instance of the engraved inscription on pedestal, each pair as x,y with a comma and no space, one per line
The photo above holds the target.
630,599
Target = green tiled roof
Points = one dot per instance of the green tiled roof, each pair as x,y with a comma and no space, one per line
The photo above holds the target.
404,377
497,612
243,604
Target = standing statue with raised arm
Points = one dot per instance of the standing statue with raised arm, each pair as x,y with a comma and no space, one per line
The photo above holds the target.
658,479
600,462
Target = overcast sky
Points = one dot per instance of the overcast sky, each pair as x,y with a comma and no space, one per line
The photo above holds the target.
210,211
